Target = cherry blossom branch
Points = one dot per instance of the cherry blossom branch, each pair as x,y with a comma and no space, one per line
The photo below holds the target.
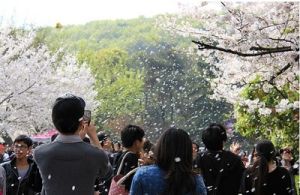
202,46
12,93
30,86
283,40
6,98
280,92
277,49
279,73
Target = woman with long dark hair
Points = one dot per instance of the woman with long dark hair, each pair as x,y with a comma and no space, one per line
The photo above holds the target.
172,174
265,177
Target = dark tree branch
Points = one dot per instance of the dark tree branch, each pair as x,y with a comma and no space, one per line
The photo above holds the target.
269,26
202,46
7,98
12,93
279,73
283,40
278,49
5,51
30,86
280,92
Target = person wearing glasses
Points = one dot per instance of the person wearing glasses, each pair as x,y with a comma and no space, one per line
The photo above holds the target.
22,174
69,165
287,161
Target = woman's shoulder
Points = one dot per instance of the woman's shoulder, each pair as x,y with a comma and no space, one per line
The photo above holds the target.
148,170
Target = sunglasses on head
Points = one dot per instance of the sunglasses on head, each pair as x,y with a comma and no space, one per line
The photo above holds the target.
287,151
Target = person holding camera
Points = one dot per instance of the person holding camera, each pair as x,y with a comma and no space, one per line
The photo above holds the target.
68,165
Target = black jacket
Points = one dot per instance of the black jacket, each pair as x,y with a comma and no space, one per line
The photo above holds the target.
130,163
225,166
31,184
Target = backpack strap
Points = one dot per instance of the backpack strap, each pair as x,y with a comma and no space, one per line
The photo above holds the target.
122,162
126,176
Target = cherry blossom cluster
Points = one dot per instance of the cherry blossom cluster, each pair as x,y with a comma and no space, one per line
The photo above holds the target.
244,41
32,77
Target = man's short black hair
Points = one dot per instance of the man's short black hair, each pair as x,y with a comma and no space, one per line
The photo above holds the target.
130,134
24,138
214,136
67,112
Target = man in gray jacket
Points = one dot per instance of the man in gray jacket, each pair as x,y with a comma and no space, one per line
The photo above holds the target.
68,165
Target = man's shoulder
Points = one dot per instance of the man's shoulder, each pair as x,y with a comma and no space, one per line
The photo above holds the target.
227,156
281,170
233,159
231,155
131,155
93,152
44,147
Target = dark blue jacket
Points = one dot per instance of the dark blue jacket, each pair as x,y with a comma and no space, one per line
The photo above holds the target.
31,184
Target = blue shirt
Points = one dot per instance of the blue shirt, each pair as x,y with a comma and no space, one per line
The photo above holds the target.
149,180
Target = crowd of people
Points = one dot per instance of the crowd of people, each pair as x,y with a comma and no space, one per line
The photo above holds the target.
81,162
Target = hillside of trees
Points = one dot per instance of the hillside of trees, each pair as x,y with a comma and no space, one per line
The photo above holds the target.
143,75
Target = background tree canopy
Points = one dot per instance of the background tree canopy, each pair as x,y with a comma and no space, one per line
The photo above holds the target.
238,64
143,75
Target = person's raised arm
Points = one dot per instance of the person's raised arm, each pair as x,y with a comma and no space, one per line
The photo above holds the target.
91,132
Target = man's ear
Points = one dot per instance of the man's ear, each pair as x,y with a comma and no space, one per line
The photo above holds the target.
135,143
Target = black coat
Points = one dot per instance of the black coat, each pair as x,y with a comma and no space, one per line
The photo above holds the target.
31,184
222,172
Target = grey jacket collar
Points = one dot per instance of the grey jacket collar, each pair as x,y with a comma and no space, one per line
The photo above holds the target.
68,138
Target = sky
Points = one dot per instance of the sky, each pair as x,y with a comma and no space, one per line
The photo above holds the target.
49,12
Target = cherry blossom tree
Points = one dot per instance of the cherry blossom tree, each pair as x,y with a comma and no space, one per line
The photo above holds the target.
247,44
31,78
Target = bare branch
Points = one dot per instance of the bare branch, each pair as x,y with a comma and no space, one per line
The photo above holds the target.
7,97
27,88
283,40
280,92
279,49
279,73
270,51
269,26
12,93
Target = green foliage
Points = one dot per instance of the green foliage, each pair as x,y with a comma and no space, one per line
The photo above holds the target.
297,183
96,35
282,128
177,91
143,75
120,89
